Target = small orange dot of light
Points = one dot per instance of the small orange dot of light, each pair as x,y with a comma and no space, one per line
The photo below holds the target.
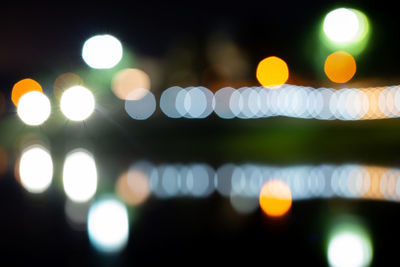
272,72
275,198
340,67
22,87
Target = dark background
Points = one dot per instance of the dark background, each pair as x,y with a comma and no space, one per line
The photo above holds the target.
42,41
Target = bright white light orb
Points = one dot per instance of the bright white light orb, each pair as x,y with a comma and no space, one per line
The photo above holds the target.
349,249
342,26
34,108
36,169
77,103
108,225
102,51
80,176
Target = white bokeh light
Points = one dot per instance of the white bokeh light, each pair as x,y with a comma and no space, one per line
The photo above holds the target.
349,249
36,169
80,176
102,51
77,103
108,225
342,26
34,108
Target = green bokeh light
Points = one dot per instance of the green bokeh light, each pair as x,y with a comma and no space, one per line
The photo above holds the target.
349,244
355,46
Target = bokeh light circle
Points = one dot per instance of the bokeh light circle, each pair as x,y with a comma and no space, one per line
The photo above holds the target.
342,25
272,72
340,67
77,103
102,51
275,198
127,81
36,169
80,175
349,246
22,87
65,81
108,225
34,108
141,108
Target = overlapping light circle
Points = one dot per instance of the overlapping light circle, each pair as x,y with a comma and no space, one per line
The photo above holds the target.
289,100
34,108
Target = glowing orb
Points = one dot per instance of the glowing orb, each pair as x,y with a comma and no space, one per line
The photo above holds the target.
275,198
77,103
272,72
36,169
80,176
349,249
340,67
342,25
34,108
108,225
22,87
102,51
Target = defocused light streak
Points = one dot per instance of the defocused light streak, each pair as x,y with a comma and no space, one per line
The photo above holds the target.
245,181
290,101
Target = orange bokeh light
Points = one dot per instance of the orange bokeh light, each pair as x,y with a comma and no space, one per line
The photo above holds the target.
22,87
133,187
272,72
275,198
340,67
126,81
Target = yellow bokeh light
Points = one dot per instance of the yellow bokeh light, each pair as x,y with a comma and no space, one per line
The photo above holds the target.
272,72
340,67
275,198
22,87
